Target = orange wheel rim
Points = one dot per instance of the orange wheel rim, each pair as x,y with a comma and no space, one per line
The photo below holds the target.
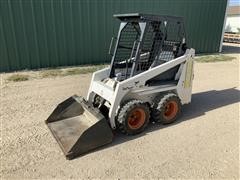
171,110
136,118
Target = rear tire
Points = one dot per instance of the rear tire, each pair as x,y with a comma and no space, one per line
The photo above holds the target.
166,109
133,117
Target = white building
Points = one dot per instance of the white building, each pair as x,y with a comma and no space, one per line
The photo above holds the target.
233,19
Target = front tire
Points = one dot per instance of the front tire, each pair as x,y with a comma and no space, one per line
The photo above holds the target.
133,117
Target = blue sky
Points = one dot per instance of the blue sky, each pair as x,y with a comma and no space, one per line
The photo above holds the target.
234,3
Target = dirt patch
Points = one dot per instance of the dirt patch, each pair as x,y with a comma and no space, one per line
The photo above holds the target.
203,143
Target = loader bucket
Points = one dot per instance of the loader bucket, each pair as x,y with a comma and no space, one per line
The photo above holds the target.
78,127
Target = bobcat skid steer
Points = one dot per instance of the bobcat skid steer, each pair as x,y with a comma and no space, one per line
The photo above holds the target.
150,78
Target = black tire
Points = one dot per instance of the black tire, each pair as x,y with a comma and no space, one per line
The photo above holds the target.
155,113
133,117
161,113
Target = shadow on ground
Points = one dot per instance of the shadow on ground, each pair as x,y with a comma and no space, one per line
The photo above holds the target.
201,103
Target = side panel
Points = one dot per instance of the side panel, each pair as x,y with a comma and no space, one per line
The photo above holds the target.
184,87
98,76
103,90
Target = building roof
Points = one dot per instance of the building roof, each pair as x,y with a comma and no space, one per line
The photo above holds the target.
233,10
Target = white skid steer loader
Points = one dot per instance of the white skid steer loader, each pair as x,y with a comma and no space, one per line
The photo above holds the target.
150,78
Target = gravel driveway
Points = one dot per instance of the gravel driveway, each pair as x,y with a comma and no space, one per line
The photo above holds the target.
203,143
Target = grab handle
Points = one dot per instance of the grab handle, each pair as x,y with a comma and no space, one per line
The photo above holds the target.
111,44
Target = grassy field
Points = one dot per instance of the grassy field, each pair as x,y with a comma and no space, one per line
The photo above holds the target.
214,58
18,77
24,76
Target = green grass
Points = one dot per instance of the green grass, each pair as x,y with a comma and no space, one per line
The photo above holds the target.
56,73
18,77
214,58
51,73
71,71
83,70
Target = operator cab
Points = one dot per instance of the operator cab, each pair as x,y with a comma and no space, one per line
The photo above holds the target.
144,42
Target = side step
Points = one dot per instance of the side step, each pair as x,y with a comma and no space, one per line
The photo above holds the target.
78,127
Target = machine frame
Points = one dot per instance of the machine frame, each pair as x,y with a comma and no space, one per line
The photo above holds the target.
117,92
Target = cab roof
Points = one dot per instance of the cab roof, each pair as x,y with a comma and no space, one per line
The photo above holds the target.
146,17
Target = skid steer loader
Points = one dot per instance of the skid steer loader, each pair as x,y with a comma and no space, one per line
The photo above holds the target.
149,79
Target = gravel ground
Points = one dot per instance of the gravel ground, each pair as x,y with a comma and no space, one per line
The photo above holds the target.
203,143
